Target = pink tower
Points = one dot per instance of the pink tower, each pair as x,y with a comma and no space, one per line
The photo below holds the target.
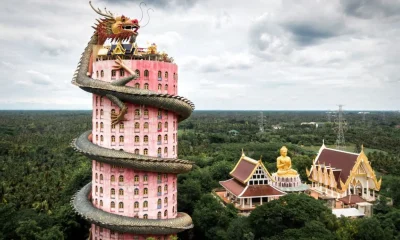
133,145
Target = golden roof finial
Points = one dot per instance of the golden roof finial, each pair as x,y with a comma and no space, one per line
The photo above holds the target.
261,158
242,152
362,147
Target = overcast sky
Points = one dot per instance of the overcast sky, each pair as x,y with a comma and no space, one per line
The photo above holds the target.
247,55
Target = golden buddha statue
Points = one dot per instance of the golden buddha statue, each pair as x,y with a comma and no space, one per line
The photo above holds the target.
284,164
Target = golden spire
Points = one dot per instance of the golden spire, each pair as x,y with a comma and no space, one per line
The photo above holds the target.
242,152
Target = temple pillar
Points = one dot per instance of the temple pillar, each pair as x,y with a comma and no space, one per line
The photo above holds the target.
368,196
251,202
260,200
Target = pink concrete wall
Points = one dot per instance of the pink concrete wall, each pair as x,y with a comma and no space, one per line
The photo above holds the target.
99,233
103,134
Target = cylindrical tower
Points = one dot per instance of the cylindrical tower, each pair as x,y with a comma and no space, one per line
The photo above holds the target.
133,142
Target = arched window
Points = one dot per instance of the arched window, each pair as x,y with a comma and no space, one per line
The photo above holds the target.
165,200
121,139
101,100
101,138
166,75
145,191
112,204
136,191
137,73
136,205
166,137
101,126
101,190
145,204
97,125
159,151
137,85
165,150
159,87
166,87
146,74
146,125
159,189
159,74
121,205
159,215
113,73
97,112
173,137
121,72
159,125
121,192
159,138
136,178
96,176
101,112
145,178
145,216
112,111
159,113
146,151
137,125
137,151
121,178
146,112
102,73
101,177
121,125
165,187
112,138
97,75
159,201
112,178
97,189
112,191
146,86
112,126
136,139
146,138
165,213
101,203
166,125
137,112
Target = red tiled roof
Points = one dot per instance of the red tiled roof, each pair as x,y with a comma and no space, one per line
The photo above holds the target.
243,170
354,199
233,186
261,190
339,160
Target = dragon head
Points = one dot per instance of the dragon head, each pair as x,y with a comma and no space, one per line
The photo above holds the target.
115,27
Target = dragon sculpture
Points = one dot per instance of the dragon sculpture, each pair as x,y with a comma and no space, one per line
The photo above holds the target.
122,28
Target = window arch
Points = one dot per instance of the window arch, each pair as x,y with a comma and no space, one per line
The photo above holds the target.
97,189
136,205
166,137
146,74
136,138
159,75
166,87
101,203
173,209
146,86
97,125
146,112
112,138
145,204
101,138
136,191
113,73
145,178
101,177
97,112
112,204
112,126
97,75
137,73
173,137
137,112
145,191
145,151
137,85
137,125
121,139
112,191
120,205
146,125
137,151
165,213
112,178
96,176
121,125
166,75
159,189
159,138
159,125
101,190
136,178
101,112
146,138
165,150
165,187
159,87
112,111
121,178
102,73
159,151
165,200
159,201
159,215
101,100
121,192
166,125
101,125
145,216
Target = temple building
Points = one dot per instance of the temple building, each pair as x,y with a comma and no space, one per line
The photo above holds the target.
342,178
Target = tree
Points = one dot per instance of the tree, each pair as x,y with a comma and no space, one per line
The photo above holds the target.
371,229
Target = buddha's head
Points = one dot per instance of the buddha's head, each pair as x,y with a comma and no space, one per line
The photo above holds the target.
283,151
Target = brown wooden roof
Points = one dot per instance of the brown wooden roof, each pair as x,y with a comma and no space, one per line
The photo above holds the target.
340,160
354,199
261,190
233,186
244,169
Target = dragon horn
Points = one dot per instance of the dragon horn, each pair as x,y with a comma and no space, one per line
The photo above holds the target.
98,11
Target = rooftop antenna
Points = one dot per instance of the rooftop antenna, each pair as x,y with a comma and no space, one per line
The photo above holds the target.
340,128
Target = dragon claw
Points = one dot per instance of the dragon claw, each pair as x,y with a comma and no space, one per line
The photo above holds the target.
116,118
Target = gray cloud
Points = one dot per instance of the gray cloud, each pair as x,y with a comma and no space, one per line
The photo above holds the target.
161,4
371,8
